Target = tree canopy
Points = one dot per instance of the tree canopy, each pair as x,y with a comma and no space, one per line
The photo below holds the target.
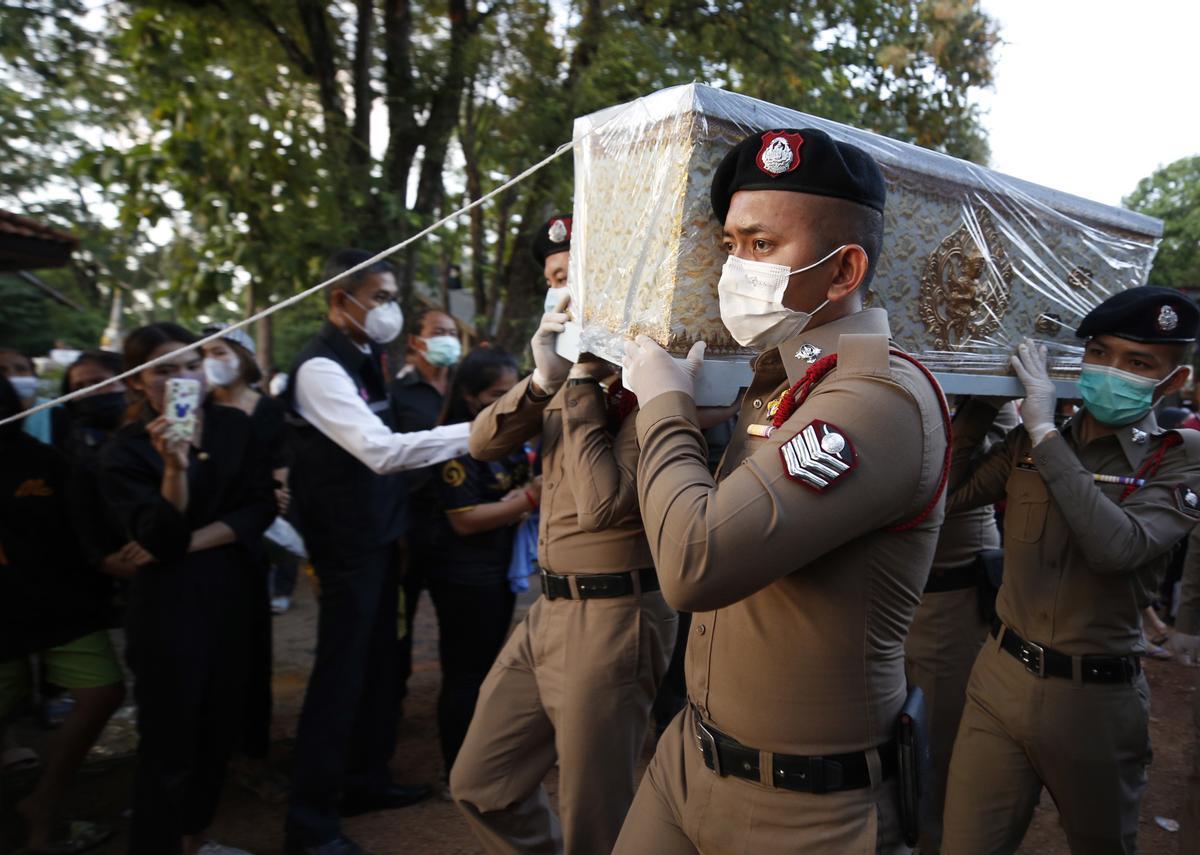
211,152
1172,194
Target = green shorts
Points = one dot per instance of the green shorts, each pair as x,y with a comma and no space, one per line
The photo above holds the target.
85,663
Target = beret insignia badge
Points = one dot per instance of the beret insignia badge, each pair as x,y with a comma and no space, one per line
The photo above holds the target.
780,153
558,231
1168,319
819,456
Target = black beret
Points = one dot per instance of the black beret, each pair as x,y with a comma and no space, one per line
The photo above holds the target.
553,236
803,161
1146,314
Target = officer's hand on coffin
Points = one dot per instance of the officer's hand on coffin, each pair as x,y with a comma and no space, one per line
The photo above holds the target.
1037,410
650,371
550,369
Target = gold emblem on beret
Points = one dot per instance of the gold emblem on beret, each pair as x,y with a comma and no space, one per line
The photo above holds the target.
454,474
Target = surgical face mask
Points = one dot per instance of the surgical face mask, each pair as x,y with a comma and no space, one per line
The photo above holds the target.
221,372
442,350
25,386
553,298
1114,397
101,412
751,296
383,323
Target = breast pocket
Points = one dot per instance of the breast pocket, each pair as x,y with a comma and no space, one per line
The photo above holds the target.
1028,504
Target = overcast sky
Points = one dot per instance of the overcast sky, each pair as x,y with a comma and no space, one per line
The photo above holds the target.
1092,96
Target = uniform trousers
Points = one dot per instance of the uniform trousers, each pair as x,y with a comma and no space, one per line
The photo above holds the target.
1087,743
574,684
473,621
188,629
684,808
941,647
347,731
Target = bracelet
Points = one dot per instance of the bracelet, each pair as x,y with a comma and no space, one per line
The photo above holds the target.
532,500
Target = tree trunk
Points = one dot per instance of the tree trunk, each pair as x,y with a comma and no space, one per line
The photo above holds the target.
360,147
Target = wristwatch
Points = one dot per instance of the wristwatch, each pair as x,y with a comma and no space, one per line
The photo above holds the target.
580,381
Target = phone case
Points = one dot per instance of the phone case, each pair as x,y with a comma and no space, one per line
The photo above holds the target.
183,397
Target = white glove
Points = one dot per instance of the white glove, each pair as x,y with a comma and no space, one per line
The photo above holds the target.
550,369
650,371
1037,411
1185,647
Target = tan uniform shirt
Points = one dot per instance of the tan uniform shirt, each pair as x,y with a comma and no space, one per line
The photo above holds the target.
1077,561
1187,618
803,596
970,531
589,512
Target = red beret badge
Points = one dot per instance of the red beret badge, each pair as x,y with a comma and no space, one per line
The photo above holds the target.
780,153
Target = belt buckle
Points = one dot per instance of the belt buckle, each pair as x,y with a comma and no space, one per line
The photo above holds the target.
1033,657
708,746
546,586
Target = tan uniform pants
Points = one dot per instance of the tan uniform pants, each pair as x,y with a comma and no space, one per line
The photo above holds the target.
1190,839
941,647
1088,743
683,808
574,683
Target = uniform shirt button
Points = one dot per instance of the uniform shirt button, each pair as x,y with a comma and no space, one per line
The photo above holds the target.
572,403
757,403
700,629
541,541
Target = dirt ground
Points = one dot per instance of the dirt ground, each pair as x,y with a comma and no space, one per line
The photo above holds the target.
435,827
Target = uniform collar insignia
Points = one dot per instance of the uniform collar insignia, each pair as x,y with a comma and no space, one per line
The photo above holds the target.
823,340
1135,439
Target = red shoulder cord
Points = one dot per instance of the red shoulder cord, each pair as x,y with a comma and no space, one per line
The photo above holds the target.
621,402
798,393
1150,468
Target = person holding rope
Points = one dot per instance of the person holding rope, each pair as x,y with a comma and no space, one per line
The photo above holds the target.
1057,697
804,559
350,507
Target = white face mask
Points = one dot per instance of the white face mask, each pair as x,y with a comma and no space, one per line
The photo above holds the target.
442,350
553,298
751,295
25,385
383,323
221,372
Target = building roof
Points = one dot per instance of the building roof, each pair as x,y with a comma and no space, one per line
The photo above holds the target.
26,244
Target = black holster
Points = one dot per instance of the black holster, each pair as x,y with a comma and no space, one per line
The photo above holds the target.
913,762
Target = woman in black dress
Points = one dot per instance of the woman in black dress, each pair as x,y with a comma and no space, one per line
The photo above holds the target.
198,510
482,504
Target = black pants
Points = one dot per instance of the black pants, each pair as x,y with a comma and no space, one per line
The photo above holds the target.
473,623
347,731
256,713
188,629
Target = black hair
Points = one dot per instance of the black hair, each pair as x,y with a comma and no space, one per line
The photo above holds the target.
22,354
142,342
106,359
345,259
10,405
840,221
480,369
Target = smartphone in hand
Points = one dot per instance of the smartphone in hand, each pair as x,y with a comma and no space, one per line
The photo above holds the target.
182,401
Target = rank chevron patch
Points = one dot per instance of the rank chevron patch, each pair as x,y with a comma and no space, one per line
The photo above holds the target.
819,456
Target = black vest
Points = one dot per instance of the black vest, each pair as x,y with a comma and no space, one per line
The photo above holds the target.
343,509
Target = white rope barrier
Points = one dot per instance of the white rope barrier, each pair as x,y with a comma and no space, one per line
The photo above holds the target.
290,301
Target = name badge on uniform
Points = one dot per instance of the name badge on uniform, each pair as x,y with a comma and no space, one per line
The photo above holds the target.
819,456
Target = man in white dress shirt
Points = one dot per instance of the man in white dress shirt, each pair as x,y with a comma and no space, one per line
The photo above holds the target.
351,510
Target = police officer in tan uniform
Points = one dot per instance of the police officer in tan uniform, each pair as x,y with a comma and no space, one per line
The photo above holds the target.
1186,641
804,560
951,624
1057,697
575,682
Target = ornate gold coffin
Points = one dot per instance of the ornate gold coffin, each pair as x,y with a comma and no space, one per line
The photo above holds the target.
973,260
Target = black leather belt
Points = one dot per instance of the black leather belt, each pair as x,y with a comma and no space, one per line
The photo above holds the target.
953,579
818,774
1044,662
597,585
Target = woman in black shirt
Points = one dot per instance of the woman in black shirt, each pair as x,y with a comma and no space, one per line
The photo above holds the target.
483,503
197,509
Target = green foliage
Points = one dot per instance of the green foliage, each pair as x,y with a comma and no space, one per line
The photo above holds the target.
211,153
1172,194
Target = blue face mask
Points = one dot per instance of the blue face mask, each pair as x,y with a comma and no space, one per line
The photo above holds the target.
1114,397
